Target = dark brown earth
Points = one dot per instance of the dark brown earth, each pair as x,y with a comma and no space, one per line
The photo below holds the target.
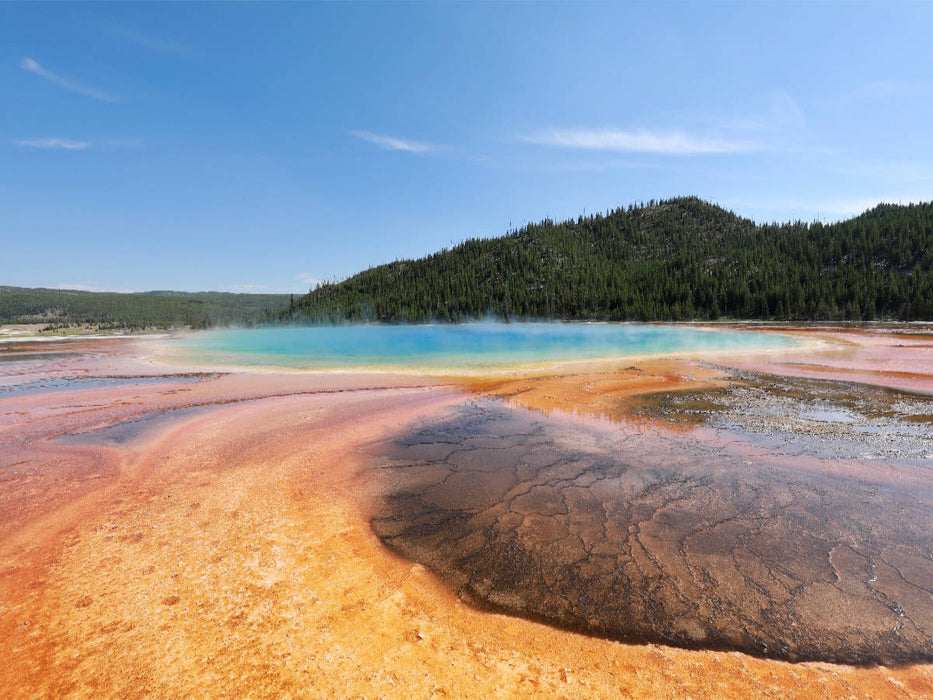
638,537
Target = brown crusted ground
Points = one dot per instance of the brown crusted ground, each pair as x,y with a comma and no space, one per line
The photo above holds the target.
809,547
228,552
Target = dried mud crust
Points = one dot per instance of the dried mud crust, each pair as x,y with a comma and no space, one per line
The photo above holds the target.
645,535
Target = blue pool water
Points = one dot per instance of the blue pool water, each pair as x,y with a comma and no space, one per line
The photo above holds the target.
469,346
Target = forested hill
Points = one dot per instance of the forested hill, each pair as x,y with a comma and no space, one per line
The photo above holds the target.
138,311
678,259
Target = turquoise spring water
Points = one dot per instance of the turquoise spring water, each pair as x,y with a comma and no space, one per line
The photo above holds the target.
469,346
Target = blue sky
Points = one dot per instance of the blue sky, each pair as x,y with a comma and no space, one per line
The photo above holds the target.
264,146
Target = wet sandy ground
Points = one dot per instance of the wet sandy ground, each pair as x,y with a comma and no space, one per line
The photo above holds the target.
210,534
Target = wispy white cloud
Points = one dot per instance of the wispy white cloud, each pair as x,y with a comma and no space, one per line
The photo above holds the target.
53,144
247,288
672,142
393,143
308,280
94,287
65,144
31,66
157,44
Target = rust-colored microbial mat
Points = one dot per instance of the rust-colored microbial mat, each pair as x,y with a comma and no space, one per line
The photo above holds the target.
184,533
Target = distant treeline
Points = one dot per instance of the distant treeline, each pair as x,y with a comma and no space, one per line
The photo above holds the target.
148,310
678,259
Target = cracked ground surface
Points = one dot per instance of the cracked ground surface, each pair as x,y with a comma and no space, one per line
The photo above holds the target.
796,526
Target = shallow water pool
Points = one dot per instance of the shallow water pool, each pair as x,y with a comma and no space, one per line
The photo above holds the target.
470,346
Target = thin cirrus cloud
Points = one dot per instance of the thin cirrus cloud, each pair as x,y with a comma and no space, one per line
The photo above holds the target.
31,66
248,288
638,141
308,280
96,287
53,144
393,143
157,44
